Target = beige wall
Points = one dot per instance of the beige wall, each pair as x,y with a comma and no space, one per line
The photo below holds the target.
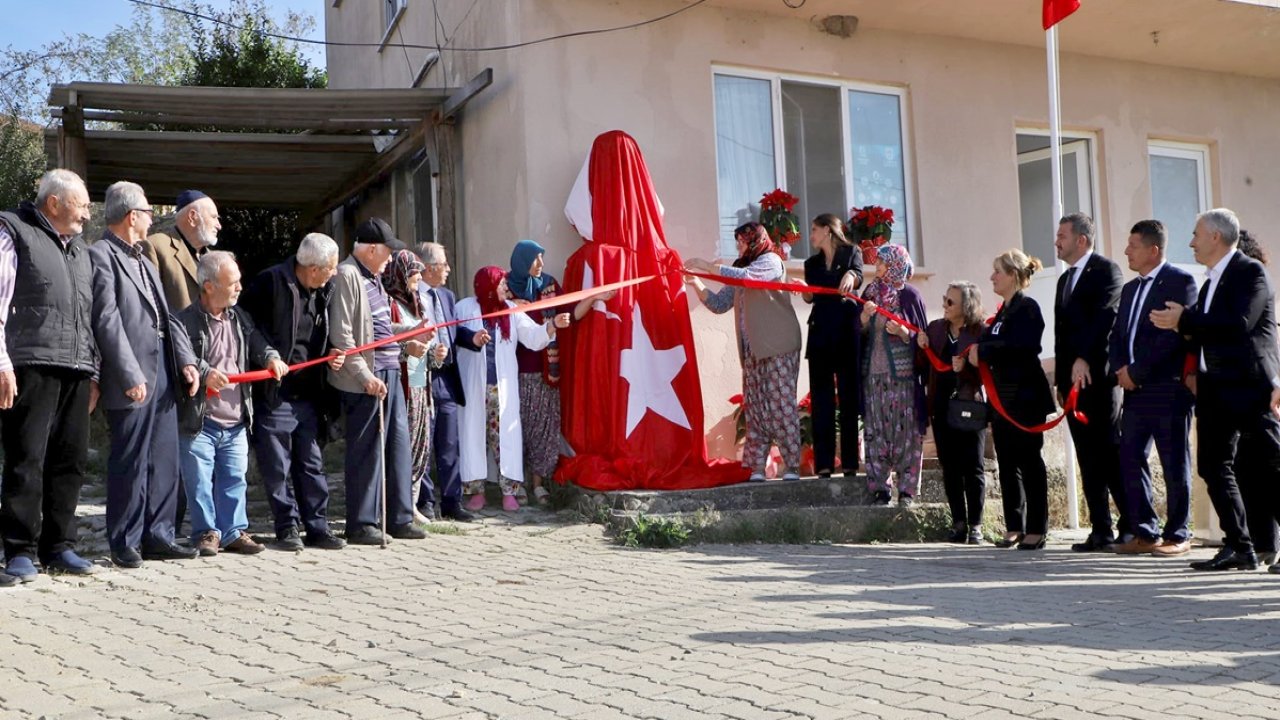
526,137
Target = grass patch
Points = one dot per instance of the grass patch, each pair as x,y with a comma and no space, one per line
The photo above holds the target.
440,528
654,532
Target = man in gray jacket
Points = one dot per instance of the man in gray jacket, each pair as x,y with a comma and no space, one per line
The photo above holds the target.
359,313
146,360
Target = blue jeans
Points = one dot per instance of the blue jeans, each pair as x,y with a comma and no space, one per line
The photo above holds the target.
214,464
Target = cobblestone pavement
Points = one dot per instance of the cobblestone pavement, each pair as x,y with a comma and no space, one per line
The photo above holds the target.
542,619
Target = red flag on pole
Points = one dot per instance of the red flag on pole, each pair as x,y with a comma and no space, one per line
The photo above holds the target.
1055,11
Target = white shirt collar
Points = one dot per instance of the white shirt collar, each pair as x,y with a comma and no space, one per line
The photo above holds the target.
1216,270
1079,264
1154,272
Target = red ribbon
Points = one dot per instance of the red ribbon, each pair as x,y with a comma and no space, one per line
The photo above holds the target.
553,302
938,364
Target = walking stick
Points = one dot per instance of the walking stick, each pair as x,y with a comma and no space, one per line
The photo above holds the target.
382,473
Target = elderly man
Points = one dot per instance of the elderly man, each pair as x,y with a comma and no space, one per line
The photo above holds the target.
360,312
145,362
446,385
289,303
214,425
195,231
46,357
1233,323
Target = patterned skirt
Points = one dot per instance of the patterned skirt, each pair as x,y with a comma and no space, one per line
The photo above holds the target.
769,401
540,424
892,439
494,437
421,411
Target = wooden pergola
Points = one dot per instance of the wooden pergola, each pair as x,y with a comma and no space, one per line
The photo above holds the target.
298,149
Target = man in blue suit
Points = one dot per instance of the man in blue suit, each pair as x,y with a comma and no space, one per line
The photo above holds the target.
1148,364
146,360
446,387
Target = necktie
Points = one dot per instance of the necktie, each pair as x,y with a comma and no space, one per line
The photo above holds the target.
438,311
1135,313
1066,289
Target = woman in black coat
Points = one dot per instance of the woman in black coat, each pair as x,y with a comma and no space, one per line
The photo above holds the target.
832,349
960,449
1010,346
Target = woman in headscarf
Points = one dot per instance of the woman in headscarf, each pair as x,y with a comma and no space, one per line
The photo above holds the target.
894,421
491,373
768,346
539,369
417,359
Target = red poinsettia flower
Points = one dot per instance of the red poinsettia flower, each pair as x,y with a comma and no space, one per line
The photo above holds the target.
806,402
778,199
736,399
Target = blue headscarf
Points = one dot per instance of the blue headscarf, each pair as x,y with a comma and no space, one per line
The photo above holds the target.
519,281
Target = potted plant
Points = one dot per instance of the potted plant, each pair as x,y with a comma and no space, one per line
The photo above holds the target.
805,406
778,219
871,227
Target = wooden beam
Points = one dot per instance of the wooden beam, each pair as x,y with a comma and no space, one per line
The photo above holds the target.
464,94
269,121
362,103
407,144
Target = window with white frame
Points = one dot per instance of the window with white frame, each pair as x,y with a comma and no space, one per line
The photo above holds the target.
1179,192
833,145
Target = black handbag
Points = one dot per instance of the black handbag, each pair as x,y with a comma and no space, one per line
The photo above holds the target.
968,415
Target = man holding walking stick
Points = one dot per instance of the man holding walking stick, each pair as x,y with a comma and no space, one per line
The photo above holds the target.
379,473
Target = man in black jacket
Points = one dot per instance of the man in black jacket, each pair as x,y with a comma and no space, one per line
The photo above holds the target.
289,304
1085,309
46,358
1233,323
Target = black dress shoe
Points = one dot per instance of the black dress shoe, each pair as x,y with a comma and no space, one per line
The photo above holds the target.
1037,545
365,535
127,558
1008,542
172,551
407,531
288,540
1228,559
324,541
1093,544
457,514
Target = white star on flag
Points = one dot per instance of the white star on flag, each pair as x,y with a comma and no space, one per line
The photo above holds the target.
649,374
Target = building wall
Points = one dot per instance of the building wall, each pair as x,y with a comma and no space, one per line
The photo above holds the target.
526,137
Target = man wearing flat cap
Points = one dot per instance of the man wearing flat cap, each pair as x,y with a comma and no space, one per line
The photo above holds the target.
176,253
360,313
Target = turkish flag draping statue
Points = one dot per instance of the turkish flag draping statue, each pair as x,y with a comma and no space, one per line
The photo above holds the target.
631,399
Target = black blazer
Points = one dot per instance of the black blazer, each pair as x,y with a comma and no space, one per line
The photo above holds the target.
1082,327
1238,332
834,322
1010,345
446,382
1158,355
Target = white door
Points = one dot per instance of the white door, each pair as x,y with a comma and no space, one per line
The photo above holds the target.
1035,195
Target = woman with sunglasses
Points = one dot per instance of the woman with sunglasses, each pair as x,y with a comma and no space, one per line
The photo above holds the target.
960,446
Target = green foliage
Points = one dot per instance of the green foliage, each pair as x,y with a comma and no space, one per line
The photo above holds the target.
654,532
244,56
21,161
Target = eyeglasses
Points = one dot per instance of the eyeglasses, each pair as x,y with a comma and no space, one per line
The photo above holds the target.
148,211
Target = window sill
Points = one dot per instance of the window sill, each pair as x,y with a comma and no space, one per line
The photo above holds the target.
391,27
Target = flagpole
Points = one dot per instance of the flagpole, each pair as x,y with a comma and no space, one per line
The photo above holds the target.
1055,170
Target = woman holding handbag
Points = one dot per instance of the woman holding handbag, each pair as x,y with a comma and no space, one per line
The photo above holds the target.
958,409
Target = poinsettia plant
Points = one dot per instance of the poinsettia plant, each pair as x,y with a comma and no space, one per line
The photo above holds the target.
779,220
870,226
805,406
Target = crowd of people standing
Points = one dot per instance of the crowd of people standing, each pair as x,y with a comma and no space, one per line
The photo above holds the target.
437,396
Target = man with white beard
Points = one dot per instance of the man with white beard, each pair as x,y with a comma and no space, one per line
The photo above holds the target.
177,252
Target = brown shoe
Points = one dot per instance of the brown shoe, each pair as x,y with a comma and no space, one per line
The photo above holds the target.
244,545
1136,546
1169,548
208,543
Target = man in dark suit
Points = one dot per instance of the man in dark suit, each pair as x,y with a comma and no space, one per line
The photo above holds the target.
446,386
1233,323
145,360
1085,310
1148,365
